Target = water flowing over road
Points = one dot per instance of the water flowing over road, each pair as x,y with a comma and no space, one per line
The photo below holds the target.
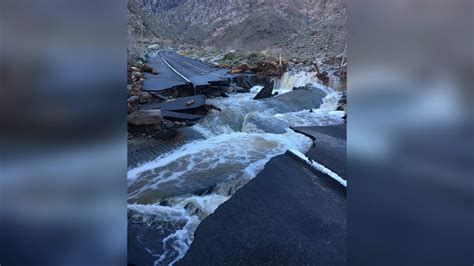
169,196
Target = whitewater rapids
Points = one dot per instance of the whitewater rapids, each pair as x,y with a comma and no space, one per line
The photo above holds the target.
176,191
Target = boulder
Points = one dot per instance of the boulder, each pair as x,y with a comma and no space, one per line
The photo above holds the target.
148,69
145,117
145,97
133,99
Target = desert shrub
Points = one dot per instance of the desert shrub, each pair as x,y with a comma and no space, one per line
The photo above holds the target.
229,56
253,56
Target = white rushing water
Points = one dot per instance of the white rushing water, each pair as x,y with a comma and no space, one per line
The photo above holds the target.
176,191
294,79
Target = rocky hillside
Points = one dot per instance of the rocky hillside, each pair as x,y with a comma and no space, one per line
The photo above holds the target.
311,26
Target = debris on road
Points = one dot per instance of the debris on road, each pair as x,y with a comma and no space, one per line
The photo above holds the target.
181,109
148,69
265,92
183,103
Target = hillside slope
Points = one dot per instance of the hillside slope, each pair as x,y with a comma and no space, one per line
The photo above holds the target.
315,26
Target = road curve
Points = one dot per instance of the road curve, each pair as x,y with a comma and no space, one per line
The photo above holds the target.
199,73
174,70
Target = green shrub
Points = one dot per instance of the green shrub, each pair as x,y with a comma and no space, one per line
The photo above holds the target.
229,57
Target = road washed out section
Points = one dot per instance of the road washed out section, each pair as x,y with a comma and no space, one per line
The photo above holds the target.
170,195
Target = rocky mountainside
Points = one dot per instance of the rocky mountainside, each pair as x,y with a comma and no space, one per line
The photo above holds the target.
312,26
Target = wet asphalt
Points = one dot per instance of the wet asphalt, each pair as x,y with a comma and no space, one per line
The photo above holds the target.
287,215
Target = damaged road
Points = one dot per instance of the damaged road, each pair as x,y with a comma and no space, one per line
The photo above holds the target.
165,79
247,142
173,83
179,72
197,72
180,88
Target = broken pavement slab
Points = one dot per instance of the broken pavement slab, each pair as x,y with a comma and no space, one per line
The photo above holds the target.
294,101
330,148
183,103
266,91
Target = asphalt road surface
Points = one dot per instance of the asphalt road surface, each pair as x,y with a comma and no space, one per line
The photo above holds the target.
175,70
287,215
329,147
165,79
198,72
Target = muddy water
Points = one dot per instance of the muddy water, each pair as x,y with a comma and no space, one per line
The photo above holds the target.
175,192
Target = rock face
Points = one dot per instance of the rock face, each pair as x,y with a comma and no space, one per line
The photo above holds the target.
245,24
324,38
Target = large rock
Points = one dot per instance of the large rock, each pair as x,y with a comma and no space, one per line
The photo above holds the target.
145,97
133,99
145,117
